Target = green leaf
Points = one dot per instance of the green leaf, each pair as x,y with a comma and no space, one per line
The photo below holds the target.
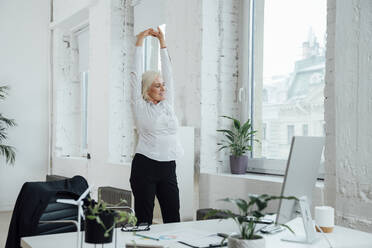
99,221
222,147
4,91
257,214
237,124
242,205
246,127
8,122
91,217
8,152
227,117
226,131
286,226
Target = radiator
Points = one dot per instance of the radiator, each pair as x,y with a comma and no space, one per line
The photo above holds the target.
113,196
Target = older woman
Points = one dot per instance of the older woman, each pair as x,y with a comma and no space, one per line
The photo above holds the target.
153,166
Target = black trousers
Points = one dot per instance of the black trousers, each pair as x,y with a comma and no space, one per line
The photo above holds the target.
149,178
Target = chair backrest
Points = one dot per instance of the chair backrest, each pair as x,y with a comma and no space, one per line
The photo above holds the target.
57,211
37,201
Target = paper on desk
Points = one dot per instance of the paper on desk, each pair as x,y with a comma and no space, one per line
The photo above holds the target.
189,236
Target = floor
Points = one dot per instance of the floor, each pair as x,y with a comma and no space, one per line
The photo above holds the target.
4,225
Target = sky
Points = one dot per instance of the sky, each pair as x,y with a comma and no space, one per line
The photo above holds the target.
286,27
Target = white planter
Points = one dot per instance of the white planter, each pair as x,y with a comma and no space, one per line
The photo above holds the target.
234,242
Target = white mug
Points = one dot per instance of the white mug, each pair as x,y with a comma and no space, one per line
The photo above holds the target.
325,218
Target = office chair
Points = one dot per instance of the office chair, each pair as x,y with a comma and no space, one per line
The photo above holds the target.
36,206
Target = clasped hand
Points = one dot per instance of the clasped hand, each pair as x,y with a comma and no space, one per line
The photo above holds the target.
158,34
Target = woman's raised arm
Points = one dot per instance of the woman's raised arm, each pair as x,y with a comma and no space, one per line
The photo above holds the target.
136,74
166,66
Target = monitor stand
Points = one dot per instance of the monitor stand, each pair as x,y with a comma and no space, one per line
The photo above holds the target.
309,227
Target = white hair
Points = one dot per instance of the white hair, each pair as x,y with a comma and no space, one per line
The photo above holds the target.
148,78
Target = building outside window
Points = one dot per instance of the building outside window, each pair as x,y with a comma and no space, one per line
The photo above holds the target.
290,133
305,130
264,129
288,68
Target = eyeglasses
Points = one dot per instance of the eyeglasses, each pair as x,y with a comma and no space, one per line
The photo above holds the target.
131,228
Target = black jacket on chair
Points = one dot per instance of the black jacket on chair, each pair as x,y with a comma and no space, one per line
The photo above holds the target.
32,201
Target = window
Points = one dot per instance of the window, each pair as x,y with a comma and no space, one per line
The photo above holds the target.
265,97
290,133
286,76
305,130
323,129
84,112
152,52
71,82
264,128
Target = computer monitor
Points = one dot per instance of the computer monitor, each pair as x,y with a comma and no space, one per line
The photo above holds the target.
300,175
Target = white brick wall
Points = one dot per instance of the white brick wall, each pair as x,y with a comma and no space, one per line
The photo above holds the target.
220,63
121,125
348,112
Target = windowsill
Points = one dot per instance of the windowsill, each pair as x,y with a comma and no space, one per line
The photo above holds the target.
258,177
111,163
252,176
71,157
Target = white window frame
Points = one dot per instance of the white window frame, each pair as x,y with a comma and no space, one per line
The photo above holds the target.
81,153
305,127
151,54
249,50
84,113
290,128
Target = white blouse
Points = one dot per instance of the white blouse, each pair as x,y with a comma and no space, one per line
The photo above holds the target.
157,124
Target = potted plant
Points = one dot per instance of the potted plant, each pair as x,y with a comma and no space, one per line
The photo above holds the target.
239,140
5,150
249,213
101,220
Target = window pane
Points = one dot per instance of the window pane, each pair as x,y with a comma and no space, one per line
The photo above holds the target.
84,112
290,80
290,133
305,130
71,83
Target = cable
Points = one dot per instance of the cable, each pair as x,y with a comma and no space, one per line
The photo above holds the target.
325,237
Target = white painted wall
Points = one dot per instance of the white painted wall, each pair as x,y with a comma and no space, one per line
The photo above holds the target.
24,67
65,8
348,112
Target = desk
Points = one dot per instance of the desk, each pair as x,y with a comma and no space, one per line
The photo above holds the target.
340,238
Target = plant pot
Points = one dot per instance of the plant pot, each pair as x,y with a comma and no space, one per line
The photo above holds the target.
238,164
94,232
235,242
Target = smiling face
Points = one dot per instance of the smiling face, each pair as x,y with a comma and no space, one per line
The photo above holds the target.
156,91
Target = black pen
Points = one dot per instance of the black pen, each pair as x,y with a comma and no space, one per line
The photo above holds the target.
218,245
223,235
181,242
209,246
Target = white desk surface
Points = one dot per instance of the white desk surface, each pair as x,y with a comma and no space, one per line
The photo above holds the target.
340,238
